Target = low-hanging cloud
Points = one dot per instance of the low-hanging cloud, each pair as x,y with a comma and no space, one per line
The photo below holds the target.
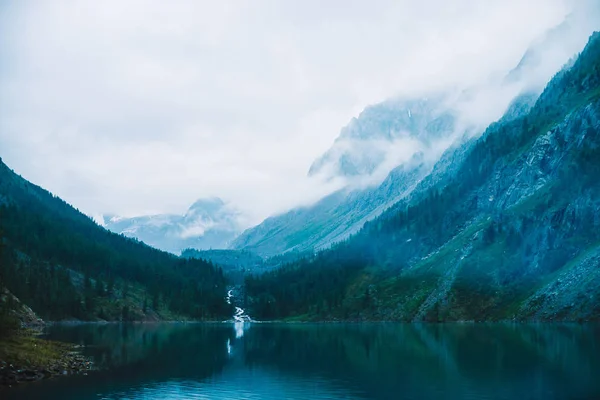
397,130
136,107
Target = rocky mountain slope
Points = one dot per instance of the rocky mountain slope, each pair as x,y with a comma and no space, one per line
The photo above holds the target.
332,218
512,233
401,145
208,224
386,133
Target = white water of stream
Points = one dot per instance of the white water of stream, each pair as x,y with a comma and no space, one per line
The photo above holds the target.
240,314
239,318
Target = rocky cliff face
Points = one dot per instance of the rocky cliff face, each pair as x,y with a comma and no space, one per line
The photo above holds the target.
373,139
15,309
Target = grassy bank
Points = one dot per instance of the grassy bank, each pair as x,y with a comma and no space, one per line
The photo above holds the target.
24,357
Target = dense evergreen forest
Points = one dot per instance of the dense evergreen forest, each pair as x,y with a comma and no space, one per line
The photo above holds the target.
312,285
458,252
65,266
237,264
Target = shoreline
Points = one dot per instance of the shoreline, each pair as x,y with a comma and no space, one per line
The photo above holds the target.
26,358
338,321
73,323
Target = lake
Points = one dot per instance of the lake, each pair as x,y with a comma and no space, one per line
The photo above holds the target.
328,361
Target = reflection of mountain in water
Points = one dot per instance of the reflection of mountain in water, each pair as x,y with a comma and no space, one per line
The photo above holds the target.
433,361
377,361
197,349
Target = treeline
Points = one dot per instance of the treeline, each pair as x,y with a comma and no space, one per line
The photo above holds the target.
53,253
237,264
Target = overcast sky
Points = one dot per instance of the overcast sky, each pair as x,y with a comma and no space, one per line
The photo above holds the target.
136,107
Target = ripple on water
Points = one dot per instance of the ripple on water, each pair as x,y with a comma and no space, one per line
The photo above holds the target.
257,385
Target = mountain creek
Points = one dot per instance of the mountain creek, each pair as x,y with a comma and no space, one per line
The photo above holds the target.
240,314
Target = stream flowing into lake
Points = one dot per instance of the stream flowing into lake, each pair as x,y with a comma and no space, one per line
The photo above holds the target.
239,314
243,360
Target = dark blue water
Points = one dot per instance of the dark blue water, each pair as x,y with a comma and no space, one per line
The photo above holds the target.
329,361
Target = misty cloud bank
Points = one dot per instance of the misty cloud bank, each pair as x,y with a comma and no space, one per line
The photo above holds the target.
391,133
138,107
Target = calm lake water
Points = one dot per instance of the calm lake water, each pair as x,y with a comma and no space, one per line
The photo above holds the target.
329,361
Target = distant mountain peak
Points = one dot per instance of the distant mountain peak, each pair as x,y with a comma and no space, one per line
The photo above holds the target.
209,223
207,204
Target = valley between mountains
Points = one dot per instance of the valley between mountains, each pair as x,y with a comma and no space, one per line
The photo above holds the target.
492,223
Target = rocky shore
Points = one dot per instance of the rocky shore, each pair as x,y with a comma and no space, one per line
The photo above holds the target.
26,358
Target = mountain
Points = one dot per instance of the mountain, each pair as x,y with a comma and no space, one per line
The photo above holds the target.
386,134
383,154
431,136
402,145
208,224
63,265
333,218
513,233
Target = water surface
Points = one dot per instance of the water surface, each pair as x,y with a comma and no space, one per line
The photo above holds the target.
329,361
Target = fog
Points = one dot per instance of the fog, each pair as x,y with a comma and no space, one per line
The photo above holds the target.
132,108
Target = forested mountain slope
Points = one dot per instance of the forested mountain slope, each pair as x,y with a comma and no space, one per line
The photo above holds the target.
64,266
514,233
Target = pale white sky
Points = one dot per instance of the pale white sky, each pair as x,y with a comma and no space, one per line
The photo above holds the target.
135,107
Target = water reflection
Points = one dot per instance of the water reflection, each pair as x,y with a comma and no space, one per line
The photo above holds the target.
377,361
239,328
